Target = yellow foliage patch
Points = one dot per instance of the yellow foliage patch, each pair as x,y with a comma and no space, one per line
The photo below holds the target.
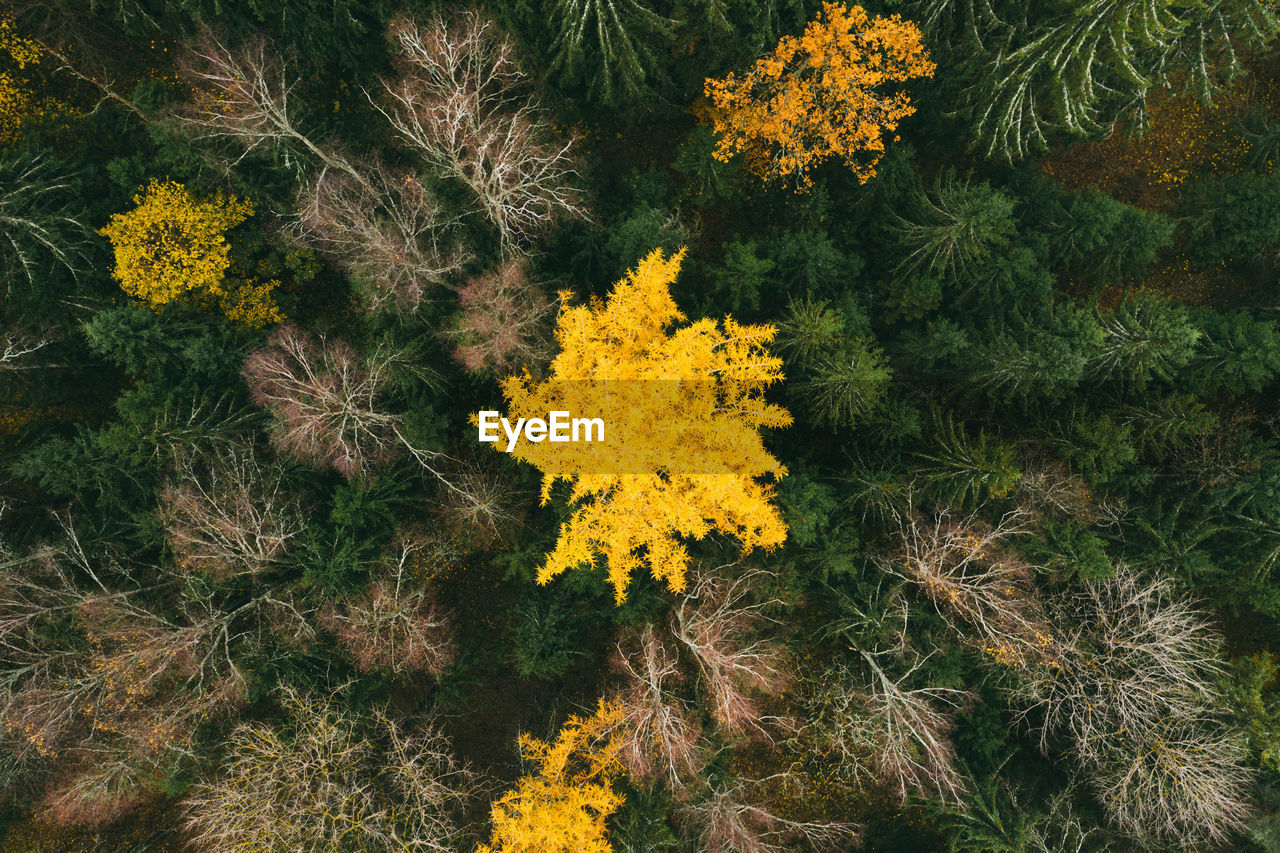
814,97
688,405
562,807
251,304
172,245
18,103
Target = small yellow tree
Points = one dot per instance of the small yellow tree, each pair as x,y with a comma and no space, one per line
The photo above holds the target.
815,96
682,411
563,806
172,244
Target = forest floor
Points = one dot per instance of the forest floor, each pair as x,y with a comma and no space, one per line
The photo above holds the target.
1185,138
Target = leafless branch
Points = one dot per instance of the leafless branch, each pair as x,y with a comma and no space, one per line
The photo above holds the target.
715,620
457,101
659,734
227,514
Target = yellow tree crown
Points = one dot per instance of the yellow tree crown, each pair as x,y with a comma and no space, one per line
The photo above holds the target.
173,244
563,807
815,96
683,408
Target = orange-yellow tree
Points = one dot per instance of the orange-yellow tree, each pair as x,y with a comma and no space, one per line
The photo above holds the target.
816,96
173,244
682,409
562,807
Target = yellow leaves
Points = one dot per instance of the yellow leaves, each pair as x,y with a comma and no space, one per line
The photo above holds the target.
250,305
22,51
682,410
813,97
172,245
18,103
562,807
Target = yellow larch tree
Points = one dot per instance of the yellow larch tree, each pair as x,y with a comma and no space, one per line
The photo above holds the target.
816,95
682,410
562,807
173,244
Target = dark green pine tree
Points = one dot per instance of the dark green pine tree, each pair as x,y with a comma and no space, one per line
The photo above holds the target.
1234,219
1240,352
1044,361
847,386
1143,339
966,469
607,45
954,224
1107,240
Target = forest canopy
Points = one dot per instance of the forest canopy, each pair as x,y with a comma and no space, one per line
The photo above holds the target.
938,346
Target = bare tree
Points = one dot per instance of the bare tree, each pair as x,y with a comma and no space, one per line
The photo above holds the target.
35,589
659,735
332,783
242,95
287,618
1181,782
325,399
481,506
396,626
716,621
1064,831
1137,697
107,707
128,660
1137,654
105,784
227,514
14,348
95,45
504,323
457,101
882,727
1048,487
384,227
731,820
967,571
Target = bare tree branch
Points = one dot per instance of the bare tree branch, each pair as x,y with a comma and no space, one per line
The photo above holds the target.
386,230
396,627
332,783
457,101
715,621
659,734
16,348
883,728
243,96
732,822
227,514
974,581
1137,697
